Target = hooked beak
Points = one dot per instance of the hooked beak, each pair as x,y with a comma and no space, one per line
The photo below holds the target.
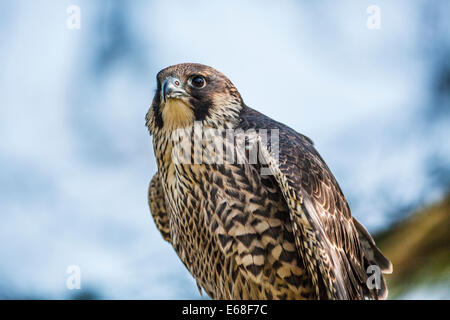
171,88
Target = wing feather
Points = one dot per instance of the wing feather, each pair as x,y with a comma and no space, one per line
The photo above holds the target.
157,204
324,230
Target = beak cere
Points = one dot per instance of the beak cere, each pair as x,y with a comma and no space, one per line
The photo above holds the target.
175,112
171,88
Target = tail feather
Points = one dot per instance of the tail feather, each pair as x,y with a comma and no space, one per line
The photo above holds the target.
374,256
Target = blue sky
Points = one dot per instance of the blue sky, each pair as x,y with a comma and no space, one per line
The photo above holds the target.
76,158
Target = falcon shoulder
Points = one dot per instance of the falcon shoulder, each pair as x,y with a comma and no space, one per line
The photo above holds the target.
325,233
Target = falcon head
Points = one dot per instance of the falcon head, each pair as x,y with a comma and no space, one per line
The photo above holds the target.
190,92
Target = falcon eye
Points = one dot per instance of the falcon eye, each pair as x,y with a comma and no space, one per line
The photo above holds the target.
198,81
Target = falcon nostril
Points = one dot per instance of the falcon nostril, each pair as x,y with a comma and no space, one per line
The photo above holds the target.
177,83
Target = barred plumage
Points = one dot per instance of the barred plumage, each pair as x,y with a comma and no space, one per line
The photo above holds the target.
242,234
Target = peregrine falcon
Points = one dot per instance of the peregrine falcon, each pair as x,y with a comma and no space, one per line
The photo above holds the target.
248,204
